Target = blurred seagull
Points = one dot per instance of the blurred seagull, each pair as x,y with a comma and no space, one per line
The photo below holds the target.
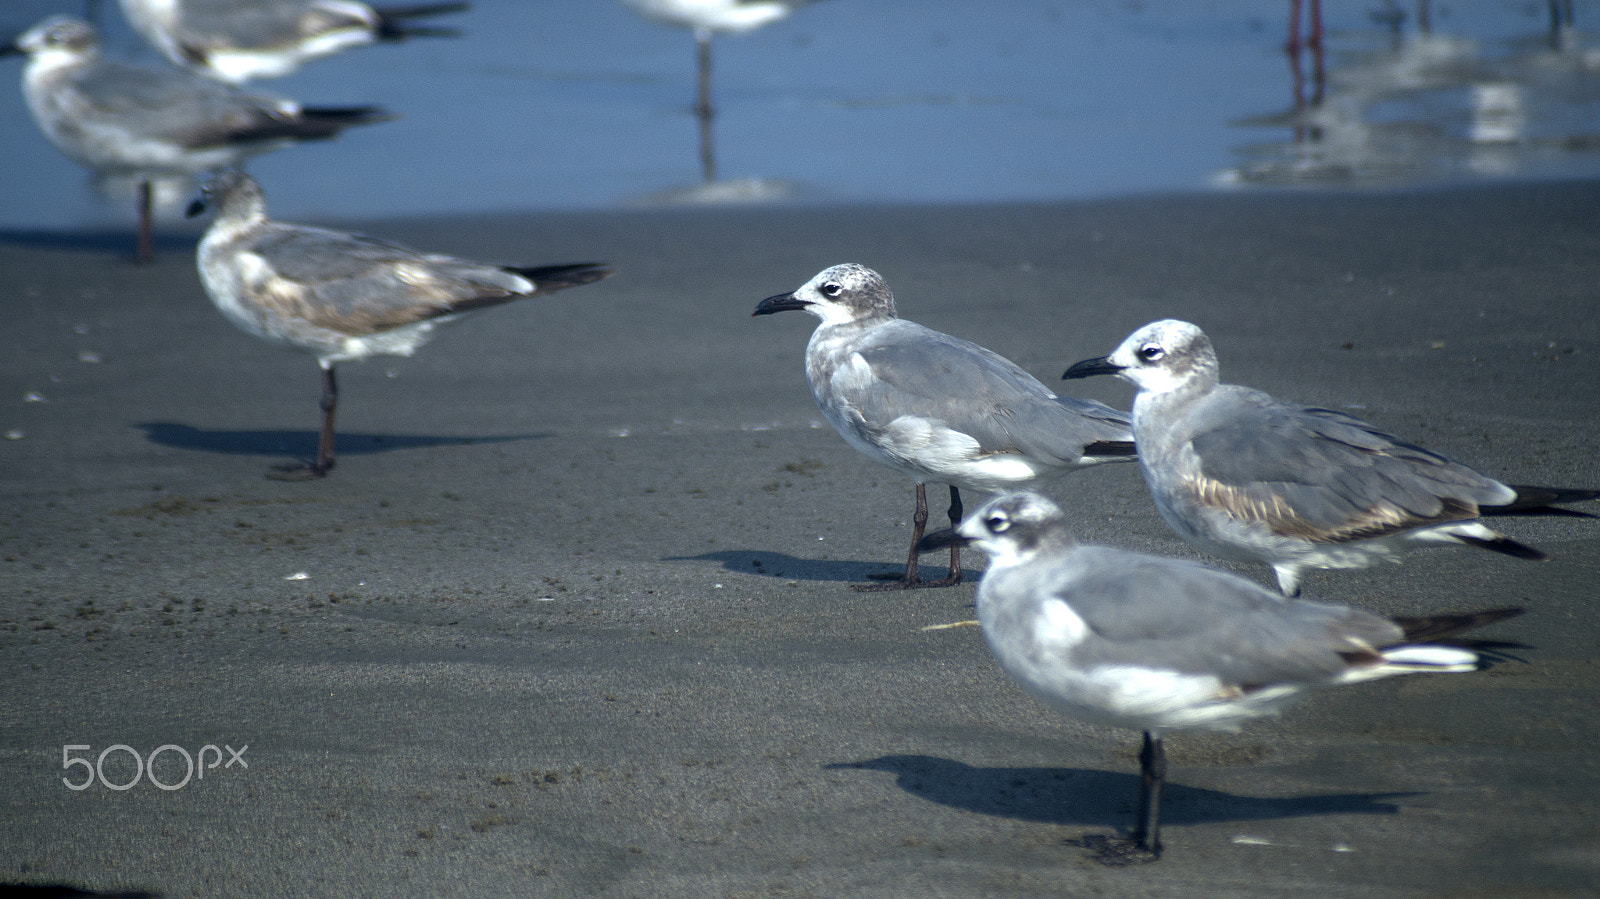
235,41
1243,476
705,18
1156,644
342,296
936,407
119,119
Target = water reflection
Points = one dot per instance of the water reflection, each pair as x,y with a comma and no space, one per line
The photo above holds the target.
706,19
1388,107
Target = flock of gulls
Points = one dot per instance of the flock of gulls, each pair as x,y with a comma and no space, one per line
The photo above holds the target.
1105,635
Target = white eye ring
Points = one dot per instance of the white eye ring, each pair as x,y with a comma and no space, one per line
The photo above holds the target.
832,289
997,524
1150,352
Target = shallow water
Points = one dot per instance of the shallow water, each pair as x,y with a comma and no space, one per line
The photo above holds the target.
579,104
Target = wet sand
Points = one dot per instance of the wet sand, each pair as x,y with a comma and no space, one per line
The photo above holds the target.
571,616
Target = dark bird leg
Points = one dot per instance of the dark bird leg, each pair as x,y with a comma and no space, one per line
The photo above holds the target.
330,401
955,513
1152,773
305,471
703,109
1144,844
919,523
147,251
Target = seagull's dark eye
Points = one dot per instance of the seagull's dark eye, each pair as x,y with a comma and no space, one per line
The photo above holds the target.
997,524
1150,352
832,290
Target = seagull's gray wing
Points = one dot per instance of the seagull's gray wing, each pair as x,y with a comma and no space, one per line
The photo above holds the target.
355,284
1152,612
176,106
209,25
1320,474
927,374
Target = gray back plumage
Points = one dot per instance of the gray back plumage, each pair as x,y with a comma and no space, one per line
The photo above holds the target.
926,373
1331,476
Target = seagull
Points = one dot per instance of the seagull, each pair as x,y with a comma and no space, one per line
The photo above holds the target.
235,41
342,296
1246,477
936,407
705,18
123,120
1157,644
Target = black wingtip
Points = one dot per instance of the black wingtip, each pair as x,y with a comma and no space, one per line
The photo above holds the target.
550,278
1111,448
1433,628
1535,500
392,21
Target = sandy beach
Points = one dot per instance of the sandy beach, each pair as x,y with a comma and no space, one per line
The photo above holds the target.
572,615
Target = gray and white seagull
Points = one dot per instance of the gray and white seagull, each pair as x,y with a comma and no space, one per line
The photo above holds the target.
235,41
1246,477
1159,645
342,296
119,119
936,407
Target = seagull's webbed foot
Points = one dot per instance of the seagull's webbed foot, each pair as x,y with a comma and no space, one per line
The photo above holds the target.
304,470
1117,852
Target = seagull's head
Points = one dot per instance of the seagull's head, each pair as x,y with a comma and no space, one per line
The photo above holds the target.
1009,528
1159,357
64,35
231,194
843,293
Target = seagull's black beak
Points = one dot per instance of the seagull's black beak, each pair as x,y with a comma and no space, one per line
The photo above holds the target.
10,48
783,302
940,540
1088,368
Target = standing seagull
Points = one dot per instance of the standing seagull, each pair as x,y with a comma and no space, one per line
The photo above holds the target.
235,41
1243,476
936,407
707,17
119,119
342,296
1155,644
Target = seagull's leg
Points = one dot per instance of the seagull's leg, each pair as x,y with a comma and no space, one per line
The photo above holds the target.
305,471
919,523
330,401
1319,74
147,251
1144,844
1152,773
703,109
955,513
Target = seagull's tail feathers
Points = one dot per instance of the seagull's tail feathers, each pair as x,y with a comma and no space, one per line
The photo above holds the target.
394,24
315,123
1533,500
551,278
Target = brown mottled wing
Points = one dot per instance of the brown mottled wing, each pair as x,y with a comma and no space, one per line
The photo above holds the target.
358,285
1322,475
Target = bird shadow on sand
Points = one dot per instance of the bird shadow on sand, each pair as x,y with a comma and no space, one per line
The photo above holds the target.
794,568
301,444
1078,796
